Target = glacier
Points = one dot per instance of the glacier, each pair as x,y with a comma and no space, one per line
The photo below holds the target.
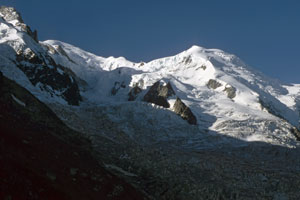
244,116
245,143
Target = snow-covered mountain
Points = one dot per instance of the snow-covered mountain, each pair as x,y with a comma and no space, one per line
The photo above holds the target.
24,60
196,94
224,94
197,125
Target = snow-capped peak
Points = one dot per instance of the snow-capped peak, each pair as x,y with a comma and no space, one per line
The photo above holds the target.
220,89
24,60
216,88
241,89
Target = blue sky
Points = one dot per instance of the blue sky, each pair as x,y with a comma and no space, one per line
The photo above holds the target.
265,34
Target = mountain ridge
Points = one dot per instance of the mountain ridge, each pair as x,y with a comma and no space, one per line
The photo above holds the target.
255,94
59,72
197,125
20,48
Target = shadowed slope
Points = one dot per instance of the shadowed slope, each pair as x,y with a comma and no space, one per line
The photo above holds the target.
41,158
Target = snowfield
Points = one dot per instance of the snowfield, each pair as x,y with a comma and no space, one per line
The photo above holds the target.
261,108
197,125
227,97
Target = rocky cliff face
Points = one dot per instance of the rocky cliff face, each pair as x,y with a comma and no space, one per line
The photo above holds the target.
185,112
236,150
158,94
33,60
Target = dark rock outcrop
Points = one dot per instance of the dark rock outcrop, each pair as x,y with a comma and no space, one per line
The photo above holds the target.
203,67
296,133
231,92
187,60
134,92
185,112
158,94
28,30
213,84
41,69
117,87
82,84
37,64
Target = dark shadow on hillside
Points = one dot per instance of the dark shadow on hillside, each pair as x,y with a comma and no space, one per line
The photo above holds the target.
42,158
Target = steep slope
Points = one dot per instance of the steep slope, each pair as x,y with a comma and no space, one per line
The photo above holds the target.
197,125
41,158
223,93
20,49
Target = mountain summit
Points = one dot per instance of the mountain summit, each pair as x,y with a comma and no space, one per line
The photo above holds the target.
20,49
202,115
220,92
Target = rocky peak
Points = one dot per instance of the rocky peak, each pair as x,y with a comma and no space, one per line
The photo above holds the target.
11,15
35,61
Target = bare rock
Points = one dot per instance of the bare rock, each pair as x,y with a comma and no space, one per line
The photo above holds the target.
296,133
159,93
213,84
166,91
41,69
185,112
10,13
187,60
231,92
134,92
203,67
